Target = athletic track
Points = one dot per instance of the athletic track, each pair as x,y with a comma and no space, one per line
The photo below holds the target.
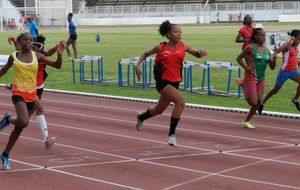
99,148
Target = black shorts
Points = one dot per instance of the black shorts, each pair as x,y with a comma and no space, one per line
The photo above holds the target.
29,105
161,84
73,36
39,91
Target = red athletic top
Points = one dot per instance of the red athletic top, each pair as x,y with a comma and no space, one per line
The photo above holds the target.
290,60
246,33
169,63
40,75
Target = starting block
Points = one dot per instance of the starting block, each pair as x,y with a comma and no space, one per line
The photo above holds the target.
92,65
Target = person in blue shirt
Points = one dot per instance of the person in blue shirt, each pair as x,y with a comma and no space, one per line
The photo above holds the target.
72,36
33,28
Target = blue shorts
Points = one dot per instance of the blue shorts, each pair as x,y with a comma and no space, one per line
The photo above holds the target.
284,75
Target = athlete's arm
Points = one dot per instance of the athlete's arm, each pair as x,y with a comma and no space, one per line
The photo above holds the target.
192,51
49,52
6,67
147,53
240,39
282,48
56,64
242,55
272,62
14,41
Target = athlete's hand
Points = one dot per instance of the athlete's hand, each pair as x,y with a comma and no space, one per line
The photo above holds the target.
249,70
61,47
202,53
11,39
138,72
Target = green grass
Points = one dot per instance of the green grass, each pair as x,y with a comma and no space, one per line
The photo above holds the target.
117,43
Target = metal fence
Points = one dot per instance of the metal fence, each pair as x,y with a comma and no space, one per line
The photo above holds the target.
225,11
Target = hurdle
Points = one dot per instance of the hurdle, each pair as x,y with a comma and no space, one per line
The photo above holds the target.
130,64
95,64
227,66
188,75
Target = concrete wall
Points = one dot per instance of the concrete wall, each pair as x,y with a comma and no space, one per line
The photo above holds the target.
289,18
142,20
53,13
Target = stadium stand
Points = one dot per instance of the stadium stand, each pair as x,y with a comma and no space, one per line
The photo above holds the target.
32,3
90,3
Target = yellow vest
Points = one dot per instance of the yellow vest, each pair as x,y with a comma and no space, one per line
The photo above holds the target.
24,78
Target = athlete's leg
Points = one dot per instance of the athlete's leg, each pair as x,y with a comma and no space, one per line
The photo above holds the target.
69,41
251,96
272,92
280,80
20,122
41,120
297,79
295,99
74,48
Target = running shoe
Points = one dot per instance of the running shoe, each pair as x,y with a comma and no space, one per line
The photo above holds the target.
69,59
248,125
49,142
296,104
5,162
139,123
4,121
8,86
260,109
172,140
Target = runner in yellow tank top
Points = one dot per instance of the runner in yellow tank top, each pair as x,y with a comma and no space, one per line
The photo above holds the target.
25,65
24,78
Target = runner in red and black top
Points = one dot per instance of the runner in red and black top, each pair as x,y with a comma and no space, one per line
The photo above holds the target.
245,32
168,74
38,46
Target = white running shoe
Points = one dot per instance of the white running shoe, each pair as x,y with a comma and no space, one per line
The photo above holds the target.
139,123
172,140
49,142
5,162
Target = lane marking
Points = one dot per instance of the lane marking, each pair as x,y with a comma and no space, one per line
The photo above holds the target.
181,168
164,114
78,176
161,126
220,174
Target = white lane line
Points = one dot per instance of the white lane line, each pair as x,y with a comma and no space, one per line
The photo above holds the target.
178,156
161,126
92,164
164,114
53,155
181,168
78,176
262,148
183,116
210,174
20,170
126,136
261,158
